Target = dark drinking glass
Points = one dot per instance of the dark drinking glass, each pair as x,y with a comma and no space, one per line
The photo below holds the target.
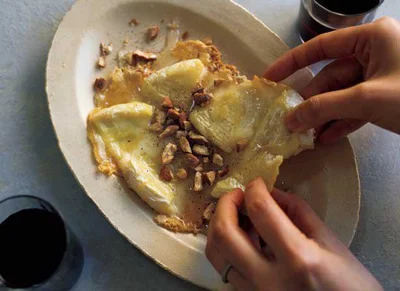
38,251
320,16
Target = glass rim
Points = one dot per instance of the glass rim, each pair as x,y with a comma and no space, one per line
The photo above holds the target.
349,15
67,239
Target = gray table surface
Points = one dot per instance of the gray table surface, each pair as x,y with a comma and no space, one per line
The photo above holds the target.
31,162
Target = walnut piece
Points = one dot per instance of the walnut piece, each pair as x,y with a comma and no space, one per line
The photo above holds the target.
152,32
209,211
185,145
167,103
181,174
201,98
168,153
105,50
160,116
101,62
156,127
198,182
182,118
139,56
209,177
173,113
218,160
199,168
187,125
169,131
185,35
197,138
192,160
166,173
206,160
134,22
223,172
100,84
241,144
201,150
180,133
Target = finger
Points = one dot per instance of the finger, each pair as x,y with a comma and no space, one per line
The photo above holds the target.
337,44
304,217
273,225
339,129
320,109
337,75
233,243
219,264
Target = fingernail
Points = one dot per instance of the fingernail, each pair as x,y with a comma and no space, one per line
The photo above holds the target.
292,122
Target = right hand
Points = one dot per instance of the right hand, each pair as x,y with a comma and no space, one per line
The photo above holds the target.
362,85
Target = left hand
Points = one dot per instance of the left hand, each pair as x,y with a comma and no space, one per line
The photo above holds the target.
306,255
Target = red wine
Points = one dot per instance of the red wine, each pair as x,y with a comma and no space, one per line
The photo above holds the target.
32,245
310,26
349,7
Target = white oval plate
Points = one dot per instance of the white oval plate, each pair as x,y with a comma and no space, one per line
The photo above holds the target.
326,177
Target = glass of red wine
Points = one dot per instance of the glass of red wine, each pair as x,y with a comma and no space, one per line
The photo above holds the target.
320,16
38,251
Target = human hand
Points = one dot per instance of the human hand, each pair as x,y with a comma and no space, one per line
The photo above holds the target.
306,255
362,85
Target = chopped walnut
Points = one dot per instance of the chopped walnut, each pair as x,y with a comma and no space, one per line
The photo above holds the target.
187,125
209,211
156,127
201,150
160,116
185,35
100,84
173,113
209,177
167,103
206,160
207,41
223,172
166,173
218,160
181,174
198,182
169,131
101,63
199,168
134,22
182,118
181,133
201,98
139,56
105,50
197,138
185,145
192,160
152,32
170,122
169,153
240,145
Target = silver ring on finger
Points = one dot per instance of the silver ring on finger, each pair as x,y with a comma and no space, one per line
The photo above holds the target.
225,272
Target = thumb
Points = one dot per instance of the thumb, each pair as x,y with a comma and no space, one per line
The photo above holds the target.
322,108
